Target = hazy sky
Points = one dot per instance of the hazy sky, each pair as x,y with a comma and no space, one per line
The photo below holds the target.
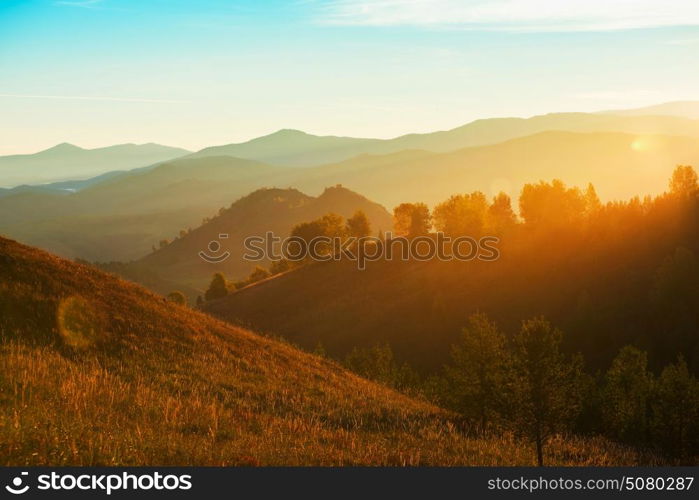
199,73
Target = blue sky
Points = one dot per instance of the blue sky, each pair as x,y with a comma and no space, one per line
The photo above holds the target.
198,73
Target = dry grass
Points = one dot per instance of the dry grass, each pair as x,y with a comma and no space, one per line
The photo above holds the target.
128,379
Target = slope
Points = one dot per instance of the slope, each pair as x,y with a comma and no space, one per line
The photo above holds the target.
97,371
604,283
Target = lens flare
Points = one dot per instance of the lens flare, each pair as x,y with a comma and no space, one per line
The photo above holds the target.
78,322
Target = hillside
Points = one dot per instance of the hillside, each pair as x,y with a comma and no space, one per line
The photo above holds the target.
97,371
601,282
66,161
275,210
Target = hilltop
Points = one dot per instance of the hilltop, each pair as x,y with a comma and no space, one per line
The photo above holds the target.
98,371
275,210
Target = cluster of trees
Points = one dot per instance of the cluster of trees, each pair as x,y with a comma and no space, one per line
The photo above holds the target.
220,286
528,385
332,226
550,204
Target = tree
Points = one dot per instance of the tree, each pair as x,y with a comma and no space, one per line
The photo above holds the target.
477,376
200,301
378,363
358,225
163,243
217,289
500,217
684,182
675,410
544,384
592,202
330,225
625,393
177,297
257,274
551,205
279,266
461,215
411,219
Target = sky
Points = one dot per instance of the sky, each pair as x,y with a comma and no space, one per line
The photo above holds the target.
199,73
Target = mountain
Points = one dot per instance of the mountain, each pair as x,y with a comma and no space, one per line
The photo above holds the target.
113,375
293,148
296,148
685,109
265,210
123,217
66,161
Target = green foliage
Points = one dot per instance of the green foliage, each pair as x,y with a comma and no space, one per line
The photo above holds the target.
217,288
378,363
177,297
551,204
280,266
544,386
330,226
675,411
358,225
412,219
476,378
500,217
461,215
625,396
257,274
684,182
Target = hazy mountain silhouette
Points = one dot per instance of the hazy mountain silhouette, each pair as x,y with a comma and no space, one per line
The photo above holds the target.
123,217
686,109
296,148
66,161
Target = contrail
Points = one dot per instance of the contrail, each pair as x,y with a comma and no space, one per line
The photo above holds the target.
94,98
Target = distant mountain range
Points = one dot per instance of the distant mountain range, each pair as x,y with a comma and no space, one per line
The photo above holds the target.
68,162
120,215
123,217
685,109
294,148
297,148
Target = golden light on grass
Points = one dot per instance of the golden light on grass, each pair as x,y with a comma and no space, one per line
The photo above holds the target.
78,322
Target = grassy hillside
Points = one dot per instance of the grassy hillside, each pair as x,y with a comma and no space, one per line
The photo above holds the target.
66,161
275,210
98,371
